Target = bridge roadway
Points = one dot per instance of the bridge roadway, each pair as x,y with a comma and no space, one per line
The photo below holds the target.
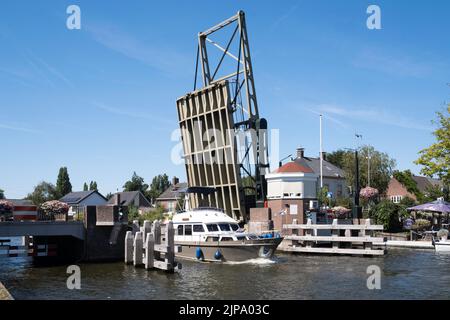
42,228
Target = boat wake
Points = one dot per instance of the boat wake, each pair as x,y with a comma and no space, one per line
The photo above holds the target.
256,261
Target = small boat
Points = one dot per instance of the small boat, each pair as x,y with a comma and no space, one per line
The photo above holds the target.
442,245
209,234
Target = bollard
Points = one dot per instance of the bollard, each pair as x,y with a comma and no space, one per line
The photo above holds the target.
129,247
146,229
137,252
149,251
135,226
169,243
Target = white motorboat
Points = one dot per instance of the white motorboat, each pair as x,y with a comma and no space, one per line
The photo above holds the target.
209,234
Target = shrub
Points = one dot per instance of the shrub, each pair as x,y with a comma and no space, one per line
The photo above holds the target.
421,224
388,214
6,206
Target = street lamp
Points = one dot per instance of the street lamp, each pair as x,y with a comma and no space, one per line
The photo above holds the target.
357,212
280,163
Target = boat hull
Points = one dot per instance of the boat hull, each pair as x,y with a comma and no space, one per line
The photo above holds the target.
442,246
230,251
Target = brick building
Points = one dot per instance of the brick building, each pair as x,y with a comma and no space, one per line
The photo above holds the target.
397,191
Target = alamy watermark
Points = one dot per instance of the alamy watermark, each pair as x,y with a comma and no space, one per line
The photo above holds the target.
74,19
374,20
74,280
374,279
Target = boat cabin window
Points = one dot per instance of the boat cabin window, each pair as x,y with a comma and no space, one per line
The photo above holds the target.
188,230
198,228
212,227
234,226
180,230
226,239
224,227
240,237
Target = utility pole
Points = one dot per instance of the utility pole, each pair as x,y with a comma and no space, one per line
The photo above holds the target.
321,154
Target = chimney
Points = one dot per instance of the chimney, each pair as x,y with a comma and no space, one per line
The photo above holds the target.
324,155
175,181
300,153
117,199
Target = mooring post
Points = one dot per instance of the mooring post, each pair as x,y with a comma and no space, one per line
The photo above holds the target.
149,251
129,247
156,230
146,229
170,245
135,226
137,253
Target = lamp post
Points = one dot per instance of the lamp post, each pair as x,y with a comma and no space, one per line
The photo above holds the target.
356,212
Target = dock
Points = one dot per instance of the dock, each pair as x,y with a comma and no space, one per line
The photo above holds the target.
347,239
406,244
153,247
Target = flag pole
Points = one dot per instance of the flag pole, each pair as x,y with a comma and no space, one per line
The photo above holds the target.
321,155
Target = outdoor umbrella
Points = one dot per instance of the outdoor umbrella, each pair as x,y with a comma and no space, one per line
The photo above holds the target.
436,206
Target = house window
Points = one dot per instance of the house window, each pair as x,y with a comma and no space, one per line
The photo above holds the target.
396,199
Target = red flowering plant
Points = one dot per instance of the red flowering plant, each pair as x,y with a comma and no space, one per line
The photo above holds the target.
6,206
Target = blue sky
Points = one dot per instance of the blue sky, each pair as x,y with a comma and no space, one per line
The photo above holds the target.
101,100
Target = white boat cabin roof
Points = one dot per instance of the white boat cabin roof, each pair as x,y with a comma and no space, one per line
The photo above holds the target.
202,215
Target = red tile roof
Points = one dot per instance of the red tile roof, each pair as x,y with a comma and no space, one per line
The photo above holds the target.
293,167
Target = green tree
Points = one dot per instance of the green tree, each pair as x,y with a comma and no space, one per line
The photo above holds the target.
337,157
93,185
381,166
406,179
135,184
434,192
435,160
159,184
2,194
85,187
63,185
408,202
109,195
44,191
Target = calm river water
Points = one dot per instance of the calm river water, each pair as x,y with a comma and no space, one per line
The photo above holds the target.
405,274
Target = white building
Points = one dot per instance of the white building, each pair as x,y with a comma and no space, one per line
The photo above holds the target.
292,181
77,201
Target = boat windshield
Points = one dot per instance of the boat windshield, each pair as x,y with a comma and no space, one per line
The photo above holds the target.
224,227
234,226
212,227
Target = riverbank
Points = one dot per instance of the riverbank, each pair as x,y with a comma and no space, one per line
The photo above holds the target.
4,293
